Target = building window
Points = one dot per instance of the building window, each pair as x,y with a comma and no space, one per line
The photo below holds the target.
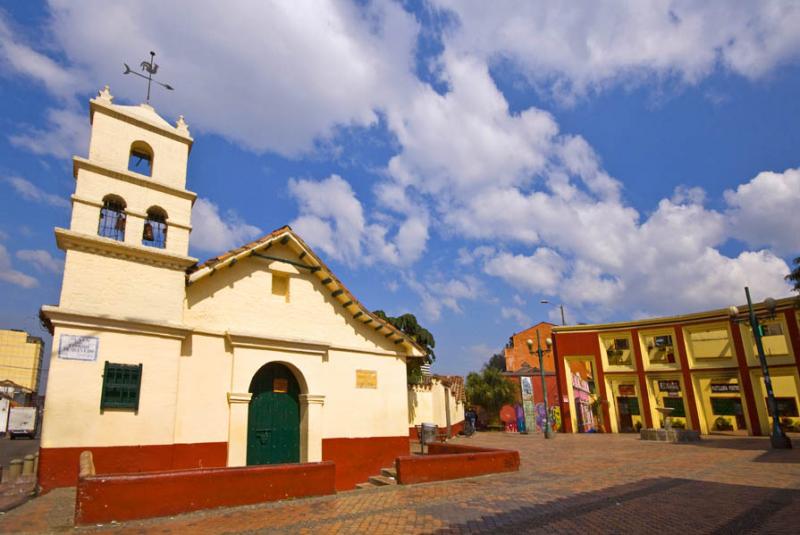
155,228
121,386
280,286
141,158
660,349
618,351
112,218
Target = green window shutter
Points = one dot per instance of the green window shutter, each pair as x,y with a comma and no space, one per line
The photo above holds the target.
121,386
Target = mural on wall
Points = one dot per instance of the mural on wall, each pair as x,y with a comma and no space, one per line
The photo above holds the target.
527,388
540,415
530,414
555,418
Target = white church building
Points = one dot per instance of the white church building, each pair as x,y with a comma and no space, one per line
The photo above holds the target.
258,356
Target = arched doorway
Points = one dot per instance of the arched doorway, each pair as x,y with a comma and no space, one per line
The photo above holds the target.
273,426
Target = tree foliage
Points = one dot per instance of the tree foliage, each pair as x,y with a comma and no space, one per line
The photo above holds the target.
408,324
794,276
490,390
497,361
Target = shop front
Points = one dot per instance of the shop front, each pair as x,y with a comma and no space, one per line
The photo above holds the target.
785,386
723,405
667,391
626,405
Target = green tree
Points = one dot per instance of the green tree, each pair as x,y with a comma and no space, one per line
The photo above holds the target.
497,361
408,324
794,276
490,390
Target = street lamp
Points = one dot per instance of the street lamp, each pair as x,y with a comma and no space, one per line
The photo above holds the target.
778,438
546,302
548,433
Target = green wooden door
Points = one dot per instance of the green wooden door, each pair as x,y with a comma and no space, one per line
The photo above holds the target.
273,427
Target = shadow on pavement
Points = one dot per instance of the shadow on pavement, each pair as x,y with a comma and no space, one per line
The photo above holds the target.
660,505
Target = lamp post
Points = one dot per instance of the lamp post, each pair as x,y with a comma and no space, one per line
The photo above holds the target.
561,306
778,438
548,433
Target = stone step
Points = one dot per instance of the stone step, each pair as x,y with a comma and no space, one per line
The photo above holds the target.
382,480
389,472
362,486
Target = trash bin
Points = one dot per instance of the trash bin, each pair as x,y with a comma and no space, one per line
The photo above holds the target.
428,433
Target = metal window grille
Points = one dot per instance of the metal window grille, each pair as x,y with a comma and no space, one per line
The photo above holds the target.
112,221
155,231
121,386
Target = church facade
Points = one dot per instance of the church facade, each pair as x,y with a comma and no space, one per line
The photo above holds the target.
258,356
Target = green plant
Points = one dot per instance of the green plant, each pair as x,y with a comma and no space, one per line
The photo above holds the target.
490,390
407,323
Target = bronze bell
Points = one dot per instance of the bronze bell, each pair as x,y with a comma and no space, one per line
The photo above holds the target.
148,232
120,224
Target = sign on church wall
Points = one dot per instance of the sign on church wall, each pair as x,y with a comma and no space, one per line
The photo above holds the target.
74,347
366,379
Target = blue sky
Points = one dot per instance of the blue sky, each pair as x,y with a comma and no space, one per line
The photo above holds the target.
447,159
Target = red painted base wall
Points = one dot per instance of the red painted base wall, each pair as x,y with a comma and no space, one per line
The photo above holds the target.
58,467
446,461
358,458
103,498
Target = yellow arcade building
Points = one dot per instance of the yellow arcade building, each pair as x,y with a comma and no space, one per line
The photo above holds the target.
258,356
704,366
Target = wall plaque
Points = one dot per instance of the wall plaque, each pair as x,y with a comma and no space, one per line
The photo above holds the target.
366,379
669,386
627,390
719,388
74,347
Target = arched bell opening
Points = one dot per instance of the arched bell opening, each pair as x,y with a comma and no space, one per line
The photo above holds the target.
112,218
274,415
154,233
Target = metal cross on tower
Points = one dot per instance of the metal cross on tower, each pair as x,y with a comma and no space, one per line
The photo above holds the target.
150,68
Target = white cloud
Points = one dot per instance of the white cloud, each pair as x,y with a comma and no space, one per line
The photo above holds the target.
66,134
540,272
31,192
514,313
763,212
10,275
214,233
42,260
271,77
438,296
571,48
332,219
20,58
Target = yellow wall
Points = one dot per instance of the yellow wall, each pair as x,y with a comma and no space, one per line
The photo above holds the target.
777,348
657,400
612,384
785,384
20,359
655,358
426,404
626,356
709,345
72,414
702,386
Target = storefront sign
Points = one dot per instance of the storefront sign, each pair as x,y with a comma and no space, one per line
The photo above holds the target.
627,390
669,386
718,388
527,388
366,379
75,347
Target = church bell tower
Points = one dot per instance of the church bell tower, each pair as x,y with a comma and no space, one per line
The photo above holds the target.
128,240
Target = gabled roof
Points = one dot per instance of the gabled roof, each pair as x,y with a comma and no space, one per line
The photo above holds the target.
308,260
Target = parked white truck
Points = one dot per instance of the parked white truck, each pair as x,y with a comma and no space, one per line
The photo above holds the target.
22,422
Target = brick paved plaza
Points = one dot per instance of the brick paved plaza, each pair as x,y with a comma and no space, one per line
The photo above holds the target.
599,483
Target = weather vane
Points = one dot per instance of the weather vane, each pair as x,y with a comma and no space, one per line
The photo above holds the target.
150,68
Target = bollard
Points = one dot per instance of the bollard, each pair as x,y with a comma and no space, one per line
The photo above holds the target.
27,465
14,470
36,464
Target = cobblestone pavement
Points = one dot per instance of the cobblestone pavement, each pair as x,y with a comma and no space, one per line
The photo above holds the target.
594,483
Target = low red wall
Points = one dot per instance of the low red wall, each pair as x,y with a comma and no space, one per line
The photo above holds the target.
359,458
58,467
103,498
449,461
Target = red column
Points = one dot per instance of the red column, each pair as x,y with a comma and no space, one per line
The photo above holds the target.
747,384
637,353
794,334
687,377
601,390
561,381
